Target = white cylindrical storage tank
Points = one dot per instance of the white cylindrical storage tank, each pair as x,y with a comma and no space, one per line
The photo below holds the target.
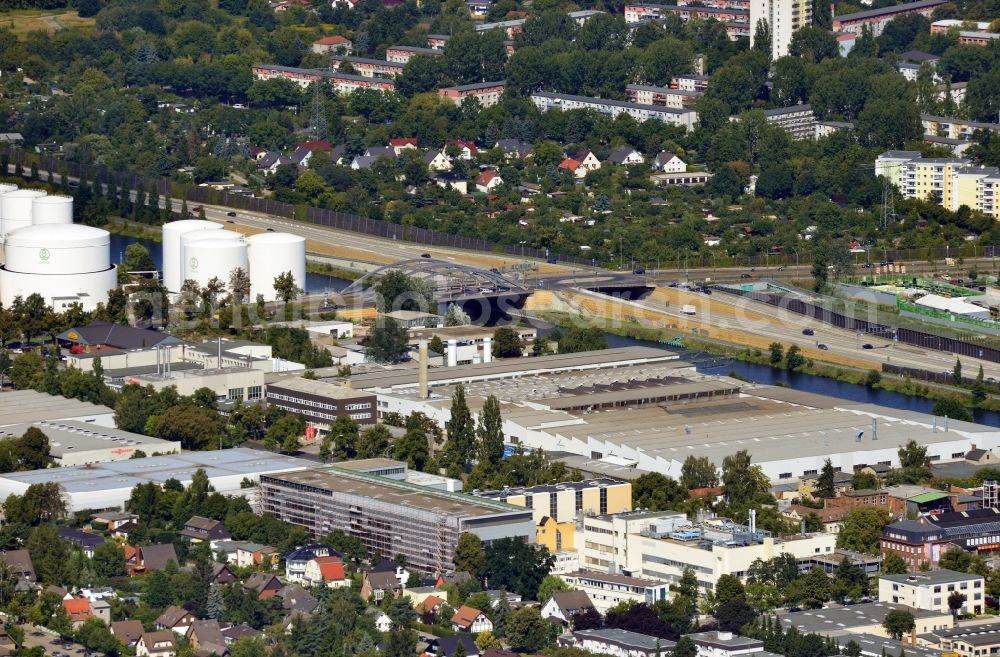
7,187
52,210
271,254
71,249
202,236
207,259
173,265
15,209
60,291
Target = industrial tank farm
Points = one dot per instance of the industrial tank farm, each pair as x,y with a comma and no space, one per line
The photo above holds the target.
44,252
65,265
199,250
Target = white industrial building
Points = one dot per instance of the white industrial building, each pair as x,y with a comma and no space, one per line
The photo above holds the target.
953,305
201,250
74,442
45,253
109,485
650,412
20,406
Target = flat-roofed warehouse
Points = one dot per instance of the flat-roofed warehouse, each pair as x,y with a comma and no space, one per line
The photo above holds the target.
390,517
21,406
788,434
650,414
109,485
72,442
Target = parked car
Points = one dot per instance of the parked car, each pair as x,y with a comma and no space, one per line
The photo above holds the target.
639,271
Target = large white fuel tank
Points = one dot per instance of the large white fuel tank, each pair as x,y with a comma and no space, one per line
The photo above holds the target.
272,254
173,266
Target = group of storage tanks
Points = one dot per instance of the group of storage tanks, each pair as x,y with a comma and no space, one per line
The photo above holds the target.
199,250
44,252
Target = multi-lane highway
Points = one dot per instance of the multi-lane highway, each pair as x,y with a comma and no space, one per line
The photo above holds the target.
743,316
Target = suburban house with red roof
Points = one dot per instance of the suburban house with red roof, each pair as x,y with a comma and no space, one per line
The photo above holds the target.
326,571
488,181
430,605
332,44
400,144
466,150
78,610
470,619
580,163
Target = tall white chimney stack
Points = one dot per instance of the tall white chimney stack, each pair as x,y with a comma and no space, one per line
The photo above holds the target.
452,353
487,350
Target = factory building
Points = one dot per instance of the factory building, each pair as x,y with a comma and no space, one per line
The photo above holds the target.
200,250
109,485
74,442
390,517
27,406
67,265
228,383
649,413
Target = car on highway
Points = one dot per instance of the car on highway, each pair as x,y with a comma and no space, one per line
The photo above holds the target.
745,276
230,221
822,346
425,255
230,214
639,271
867,346
270,230
808,331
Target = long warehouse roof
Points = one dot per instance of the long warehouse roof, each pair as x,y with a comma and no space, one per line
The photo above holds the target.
514,367
120,474
20,406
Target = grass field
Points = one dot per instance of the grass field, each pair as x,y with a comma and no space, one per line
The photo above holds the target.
22,21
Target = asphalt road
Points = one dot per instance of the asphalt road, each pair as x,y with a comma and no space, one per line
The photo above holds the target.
787,327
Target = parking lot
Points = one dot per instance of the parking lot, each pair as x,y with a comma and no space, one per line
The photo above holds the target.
54,646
